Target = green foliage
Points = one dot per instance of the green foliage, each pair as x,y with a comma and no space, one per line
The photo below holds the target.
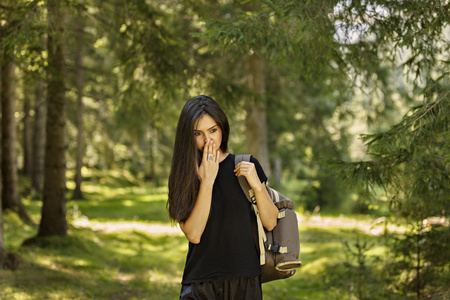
410,161
419,259
358,266
361,272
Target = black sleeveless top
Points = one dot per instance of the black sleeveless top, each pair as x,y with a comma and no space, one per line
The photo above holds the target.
226,249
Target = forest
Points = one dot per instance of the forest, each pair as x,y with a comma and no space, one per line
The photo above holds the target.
345,103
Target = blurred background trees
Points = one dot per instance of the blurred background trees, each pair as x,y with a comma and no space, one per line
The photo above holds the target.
300,81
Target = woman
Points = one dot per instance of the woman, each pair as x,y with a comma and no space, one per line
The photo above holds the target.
205,198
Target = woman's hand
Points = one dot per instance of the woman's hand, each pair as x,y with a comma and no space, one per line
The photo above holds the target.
248,170
207,172
267,210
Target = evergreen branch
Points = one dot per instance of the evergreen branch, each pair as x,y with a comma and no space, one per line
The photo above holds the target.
430,108
385,142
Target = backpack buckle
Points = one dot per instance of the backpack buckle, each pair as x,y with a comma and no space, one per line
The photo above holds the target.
252,196
274,248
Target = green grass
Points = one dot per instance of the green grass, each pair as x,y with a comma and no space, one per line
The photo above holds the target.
136,264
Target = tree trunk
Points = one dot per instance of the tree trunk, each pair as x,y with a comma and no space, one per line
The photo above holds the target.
10,194
27,153
37,175
3,254
10,181
256,122
53,221
77,194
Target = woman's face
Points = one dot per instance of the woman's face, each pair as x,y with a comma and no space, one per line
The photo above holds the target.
206,129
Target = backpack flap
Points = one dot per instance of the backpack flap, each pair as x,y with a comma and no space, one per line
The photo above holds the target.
286,239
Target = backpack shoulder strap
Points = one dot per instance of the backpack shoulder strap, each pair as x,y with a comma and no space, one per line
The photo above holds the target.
242,181
248,191
241,157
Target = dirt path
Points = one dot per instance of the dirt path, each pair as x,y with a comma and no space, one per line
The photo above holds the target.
156,229
374,228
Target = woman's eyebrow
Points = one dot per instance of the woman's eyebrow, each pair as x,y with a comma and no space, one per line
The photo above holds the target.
207,129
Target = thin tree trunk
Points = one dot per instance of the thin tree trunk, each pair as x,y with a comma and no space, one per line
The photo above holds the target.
37,176
77,193
418,266
53,221
256,122
3,254
27,144
10,181
153,139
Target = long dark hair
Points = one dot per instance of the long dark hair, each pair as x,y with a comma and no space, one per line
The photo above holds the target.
183,180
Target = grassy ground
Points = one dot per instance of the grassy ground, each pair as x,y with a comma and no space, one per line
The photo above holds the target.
120,246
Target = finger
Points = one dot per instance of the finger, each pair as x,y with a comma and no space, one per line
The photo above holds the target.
242,167
243,164
205,152
238,170
209,150
217,157
210,147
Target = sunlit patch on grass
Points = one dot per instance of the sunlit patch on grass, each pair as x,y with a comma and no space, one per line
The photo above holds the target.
125,277
154,197
155,276
128,203
312,264
13,294
306,249
125,251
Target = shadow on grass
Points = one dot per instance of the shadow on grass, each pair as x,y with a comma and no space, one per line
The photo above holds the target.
93,265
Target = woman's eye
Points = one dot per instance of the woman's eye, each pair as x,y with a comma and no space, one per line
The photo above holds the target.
214,130
196,133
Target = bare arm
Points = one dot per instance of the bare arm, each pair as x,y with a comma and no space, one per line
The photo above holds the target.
195,224
267,210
